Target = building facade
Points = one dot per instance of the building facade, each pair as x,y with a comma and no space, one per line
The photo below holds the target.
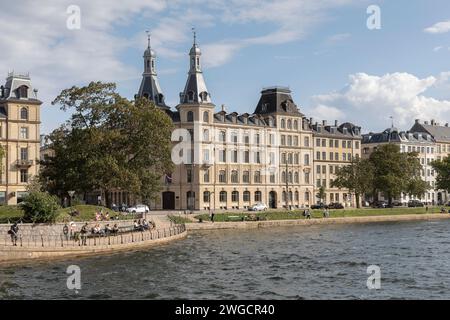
421,142
229,161
19,136
335,146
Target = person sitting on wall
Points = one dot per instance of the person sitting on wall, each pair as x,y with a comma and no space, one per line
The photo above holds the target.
108,229
115,229
145,225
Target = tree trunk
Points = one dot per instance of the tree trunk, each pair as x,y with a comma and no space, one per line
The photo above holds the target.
357,200
107,199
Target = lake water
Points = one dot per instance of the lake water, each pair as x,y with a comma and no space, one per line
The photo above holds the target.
303,262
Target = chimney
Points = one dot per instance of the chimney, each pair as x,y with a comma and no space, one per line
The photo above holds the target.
426,122
335,123
417,120
432,122
223,108
310,121
324,122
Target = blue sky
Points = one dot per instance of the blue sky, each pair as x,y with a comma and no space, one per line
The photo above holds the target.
322,49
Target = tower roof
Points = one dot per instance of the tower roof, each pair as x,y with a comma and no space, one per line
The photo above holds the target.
195,90
150,87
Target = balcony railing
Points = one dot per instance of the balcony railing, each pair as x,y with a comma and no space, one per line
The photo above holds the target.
24,163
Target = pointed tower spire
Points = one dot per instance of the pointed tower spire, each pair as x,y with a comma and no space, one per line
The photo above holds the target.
150,87
195,90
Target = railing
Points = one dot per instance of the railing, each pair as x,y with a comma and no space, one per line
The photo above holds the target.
62,241
24,163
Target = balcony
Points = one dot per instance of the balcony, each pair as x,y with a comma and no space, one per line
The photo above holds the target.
24,163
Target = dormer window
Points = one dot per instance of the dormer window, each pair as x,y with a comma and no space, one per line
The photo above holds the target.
22,92
206,116
204,96
190,96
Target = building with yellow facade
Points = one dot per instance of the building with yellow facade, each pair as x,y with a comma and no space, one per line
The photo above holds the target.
19,136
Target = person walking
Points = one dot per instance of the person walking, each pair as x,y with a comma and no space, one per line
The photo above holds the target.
84,231
212,216
308,214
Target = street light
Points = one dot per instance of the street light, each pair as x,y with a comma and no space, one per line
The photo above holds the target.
71,194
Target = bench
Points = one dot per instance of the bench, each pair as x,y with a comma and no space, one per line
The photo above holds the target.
234,218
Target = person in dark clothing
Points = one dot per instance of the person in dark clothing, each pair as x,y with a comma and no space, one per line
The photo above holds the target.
14,232
212,216
84,232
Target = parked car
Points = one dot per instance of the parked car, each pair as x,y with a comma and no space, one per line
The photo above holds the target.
258,207
397,203
319,206
414,203
335,205
380,204
140,208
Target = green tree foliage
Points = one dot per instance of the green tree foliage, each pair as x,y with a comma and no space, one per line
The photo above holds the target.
442,168
357,177
395,172
40,207
321,194
108,143
2,155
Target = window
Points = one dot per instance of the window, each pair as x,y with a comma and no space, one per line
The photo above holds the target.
206,196
290,177
23,153
272,177
234,196
24,133
189,175
318,169
234,156
306,159
234,176
257,139
234,137
307,177
190,116
306,196
222,176
324,142
2,197
222,136
206,135
246,177
257,157
257,177
318,155
24,175
246,196
206,156
23,92
306,141
247,156
283,123
295,124
258,196
331,143
296,177
297,196
283,177
222,155
317,142
24,114
223,196
283,140
206,176
289,124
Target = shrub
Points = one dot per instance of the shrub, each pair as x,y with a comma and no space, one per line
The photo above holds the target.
40,207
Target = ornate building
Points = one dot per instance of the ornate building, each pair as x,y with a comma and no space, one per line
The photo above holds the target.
230,160
19,136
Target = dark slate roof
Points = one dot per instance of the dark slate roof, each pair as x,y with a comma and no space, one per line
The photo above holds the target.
438,132
150,88
276,100
345,130
394,135
244,119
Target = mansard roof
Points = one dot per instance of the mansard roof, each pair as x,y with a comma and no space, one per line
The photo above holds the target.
345,130
277,100
439,132
391,135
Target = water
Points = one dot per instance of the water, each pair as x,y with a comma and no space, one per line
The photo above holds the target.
315,262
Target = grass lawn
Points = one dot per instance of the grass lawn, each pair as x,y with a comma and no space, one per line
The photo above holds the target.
178,219
298,214
87,213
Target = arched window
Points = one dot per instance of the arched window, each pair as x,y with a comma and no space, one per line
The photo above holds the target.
257,177
206,116
306,196
206,135
234,196
290,195
283,124
222,176
24,114
246,177
283,177
234,176
206,176
295,125
290,177
246,196
296,177
204,96
223,196
190,116
22,92
306,162
258,196
289,124
297,196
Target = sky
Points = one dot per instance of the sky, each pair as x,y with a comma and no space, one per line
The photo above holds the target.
323,50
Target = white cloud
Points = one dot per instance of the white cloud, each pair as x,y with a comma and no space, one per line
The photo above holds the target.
370,100
337,38
436,49
440,27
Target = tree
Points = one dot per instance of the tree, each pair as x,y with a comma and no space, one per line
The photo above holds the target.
321,194
109,143
395,172
2,155
442,168
357,177
40,207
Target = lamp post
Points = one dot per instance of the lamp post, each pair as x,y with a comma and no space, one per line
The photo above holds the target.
71,194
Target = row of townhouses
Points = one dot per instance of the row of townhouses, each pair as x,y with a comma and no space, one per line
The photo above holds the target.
274,154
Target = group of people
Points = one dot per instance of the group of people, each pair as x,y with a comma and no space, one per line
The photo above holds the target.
100,216
14,233
143,225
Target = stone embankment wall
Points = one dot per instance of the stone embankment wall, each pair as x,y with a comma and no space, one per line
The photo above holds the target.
307,222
